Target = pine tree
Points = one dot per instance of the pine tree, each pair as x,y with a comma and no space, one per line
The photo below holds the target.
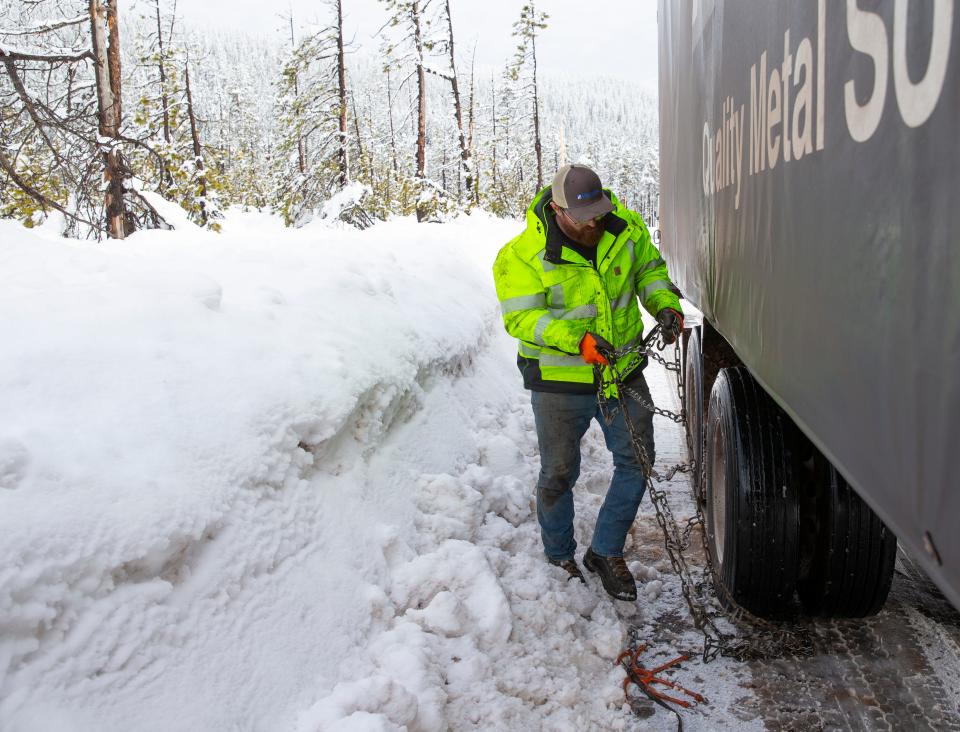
525,67
343,159
419,38
515,156
169,155
54,126
311,161
466,167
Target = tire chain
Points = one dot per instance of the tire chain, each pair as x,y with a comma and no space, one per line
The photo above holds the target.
707,599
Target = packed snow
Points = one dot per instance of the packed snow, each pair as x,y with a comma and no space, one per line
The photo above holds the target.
280,479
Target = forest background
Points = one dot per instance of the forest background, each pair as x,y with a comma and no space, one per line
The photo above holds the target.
106,109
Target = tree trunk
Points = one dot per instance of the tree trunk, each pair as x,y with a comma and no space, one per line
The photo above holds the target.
443,173
471,127
71,77
465,165
165,175
343,160
493,138
197,150
356,126
536,116
164,103
301,143
421,91
421,105
393,136
106,51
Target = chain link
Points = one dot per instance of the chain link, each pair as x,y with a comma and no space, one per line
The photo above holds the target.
707,599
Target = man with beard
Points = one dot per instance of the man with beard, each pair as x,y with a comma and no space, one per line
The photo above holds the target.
569,287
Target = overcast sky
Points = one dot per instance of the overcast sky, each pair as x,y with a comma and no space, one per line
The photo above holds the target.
602,37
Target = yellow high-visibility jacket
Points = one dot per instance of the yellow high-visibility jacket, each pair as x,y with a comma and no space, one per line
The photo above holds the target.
550,296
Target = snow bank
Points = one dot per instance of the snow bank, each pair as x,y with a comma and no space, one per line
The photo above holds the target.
161,393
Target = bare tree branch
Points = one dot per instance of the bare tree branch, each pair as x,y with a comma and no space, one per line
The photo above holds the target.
15,55
31,108
46,27
445,77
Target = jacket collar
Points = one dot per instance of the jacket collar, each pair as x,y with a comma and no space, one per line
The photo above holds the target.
554,239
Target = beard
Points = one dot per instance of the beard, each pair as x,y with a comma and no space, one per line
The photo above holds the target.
589,236
586,234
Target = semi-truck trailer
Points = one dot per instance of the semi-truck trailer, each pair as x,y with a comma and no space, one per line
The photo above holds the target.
810,209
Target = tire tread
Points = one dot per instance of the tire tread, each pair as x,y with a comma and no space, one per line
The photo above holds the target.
853,570
761,568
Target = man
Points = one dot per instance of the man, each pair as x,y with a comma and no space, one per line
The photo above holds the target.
568,289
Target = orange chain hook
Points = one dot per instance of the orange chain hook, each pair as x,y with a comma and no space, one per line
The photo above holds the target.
645,678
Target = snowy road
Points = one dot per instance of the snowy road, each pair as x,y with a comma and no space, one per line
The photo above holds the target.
221,509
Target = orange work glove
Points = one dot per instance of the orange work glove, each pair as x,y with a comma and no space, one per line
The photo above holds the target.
594,349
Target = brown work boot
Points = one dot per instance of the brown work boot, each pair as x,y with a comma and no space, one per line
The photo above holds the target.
570,565
616,578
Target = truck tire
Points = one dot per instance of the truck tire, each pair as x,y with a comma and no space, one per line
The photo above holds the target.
752,508
853,559
693,404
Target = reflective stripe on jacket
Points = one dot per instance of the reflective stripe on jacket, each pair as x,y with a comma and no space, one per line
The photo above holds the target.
550,296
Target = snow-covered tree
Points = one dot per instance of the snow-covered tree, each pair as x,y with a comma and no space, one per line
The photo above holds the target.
413,47
524,70
233,81
168,154
270,125
465,182
311,158
61,118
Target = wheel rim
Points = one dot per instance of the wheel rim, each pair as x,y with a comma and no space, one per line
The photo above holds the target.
693,397
693,416
718,497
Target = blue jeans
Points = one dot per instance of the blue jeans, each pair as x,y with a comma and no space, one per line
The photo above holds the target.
562,420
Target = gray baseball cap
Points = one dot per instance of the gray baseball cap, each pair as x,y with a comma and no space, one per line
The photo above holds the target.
577,189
